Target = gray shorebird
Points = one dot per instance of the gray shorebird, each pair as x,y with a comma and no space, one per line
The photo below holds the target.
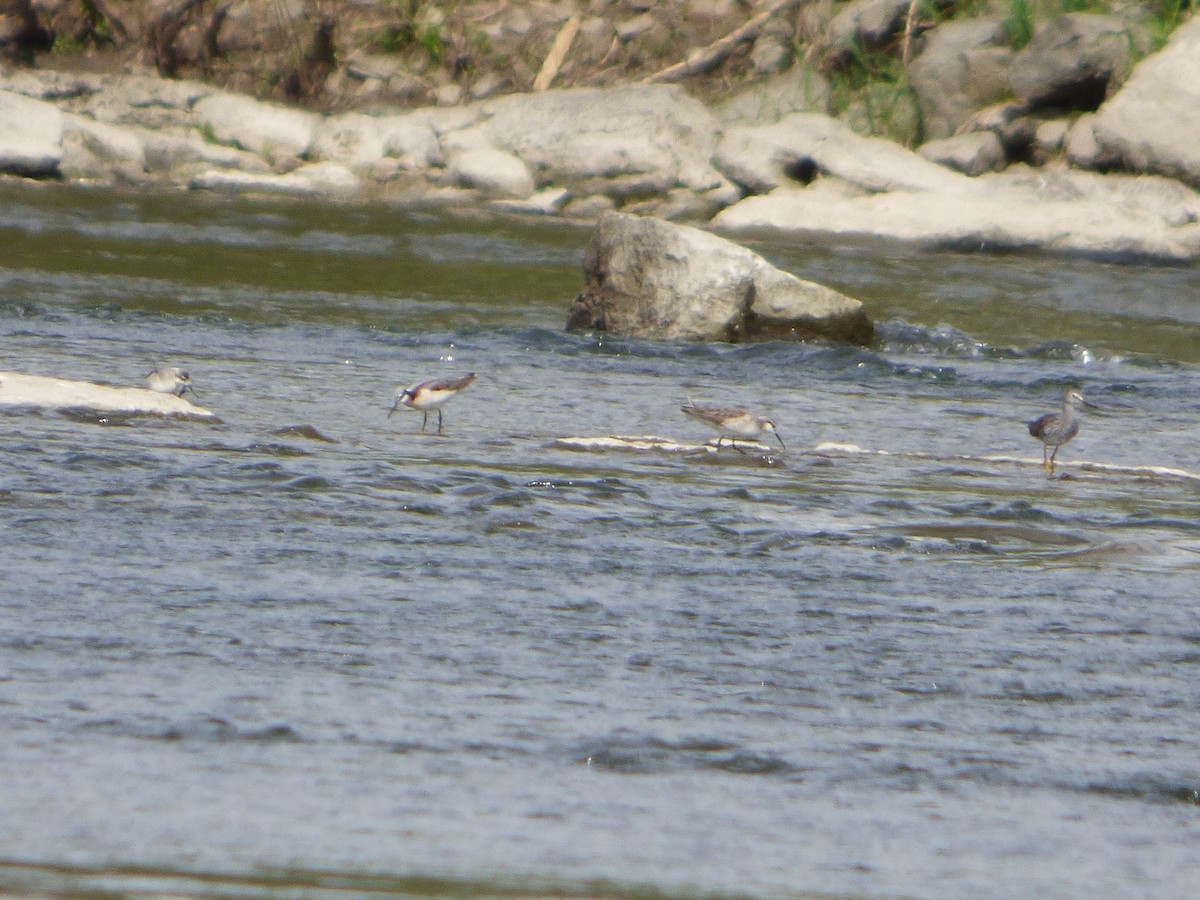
1055,429
431,395
171,380
733,423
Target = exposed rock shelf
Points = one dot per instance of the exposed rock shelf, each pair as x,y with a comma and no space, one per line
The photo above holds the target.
20,391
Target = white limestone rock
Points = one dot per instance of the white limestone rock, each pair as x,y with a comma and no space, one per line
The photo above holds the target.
636,140
1114,217
100,150
179,153
544,203
21,391
767,157
494,173
361,141
143,101
318,180
971,154
1153,123
31,136
276,133
1083,150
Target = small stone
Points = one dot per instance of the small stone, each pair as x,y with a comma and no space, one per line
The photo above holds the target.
1053,133
589,208
770,55
543,203
635,27
486,86
495,173
448,95
972,154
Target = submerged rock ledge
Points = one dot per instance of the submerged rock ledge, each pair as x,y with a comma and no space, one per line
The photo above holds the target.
647,149
20,391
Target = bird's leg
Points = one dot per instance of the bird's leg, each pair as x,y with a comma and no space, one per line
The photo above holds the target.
1052,455
424,418
736,447
439,421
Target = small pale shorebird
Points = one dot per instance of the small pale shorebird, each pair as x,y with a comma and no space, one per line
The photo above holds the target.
171,380
1055,429
732,423
431,395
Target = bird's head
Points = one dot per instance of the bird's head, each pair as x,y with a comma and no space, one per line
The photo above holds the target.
1075,398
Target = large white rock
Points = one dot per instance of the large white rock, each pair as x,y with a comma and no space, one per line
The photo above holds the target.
143,100
31,136
179,153
649,278
100,150
1063,211
1153,123
496,174
276,133
362,141
624,141
766,157
18,390
324,180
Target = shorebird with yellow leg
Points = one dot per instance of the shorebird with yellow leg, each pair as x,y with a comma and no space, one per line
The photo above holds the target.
732,423
431,395
1055,429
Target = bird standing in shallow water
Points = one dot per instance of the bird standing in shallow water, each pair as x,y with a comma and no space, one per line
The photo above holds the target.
1055,429
732,423
431,395
171,380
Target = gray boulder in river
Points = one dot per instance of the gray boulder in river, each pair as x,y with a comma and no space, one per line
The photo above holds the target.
645,277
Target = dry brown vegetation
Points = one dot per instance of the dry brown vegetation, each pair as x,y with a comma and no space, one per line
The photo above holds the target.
355,53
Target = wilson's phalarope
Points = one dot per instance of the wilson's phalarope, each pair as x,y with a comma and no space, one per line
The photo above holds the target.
431,395
732,423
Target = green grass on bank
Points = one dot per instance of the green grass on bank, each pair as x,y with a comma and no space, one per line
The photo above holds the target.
870,87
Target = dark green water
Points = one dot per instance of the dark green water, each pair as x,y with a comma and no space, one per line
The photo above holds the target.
311,650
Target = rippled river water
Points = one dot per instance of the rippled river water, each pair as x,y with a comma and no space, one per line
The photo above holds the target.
311,651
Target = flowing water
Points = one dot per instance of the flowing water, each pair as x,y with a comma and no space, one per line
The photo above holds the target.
311,650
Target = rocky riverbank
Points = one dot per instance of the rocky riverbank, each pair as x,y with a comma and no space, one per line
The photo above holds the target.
769,159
